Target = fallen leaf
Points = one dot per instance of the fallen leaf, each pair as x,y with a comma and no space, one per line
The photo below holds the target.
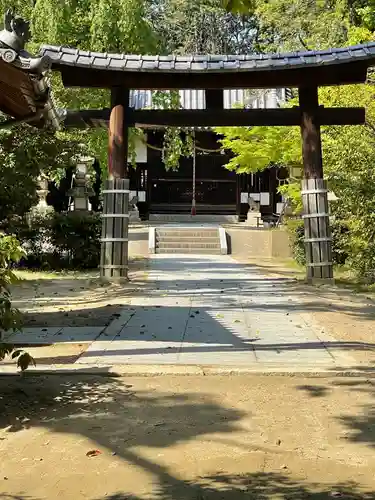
93,453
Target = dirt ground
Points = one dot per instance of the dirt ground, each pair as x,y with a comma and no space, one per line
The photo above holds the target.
198,438
73,299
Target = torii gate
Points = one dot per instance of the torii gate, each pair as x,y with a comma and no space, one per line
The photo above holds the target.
306,71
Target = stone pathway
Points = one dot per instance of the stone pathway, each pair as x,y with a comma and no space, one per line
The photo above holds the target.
202,311
210,310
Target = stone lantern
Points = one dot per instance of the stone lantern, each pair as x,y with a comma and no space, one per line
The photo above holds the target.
42,191
81,190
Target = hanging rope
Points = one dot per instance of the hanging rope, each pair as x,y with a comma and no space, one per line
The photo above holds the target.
198,148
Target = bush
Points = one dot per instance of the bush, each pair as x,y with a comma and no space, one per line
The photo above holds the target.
339,232
295,229
58,240
10,317
360,242
76,239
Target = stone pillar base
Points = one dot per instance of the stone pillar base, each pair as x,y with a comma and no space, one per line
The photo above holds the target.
134,216
253,218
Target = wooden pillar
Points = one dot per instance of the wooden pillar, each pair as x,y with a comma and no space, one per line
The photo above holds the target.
318,242
114,249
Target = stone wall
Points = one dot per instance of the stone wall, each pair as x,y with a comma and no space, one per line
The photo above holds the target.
263,243
138,241
242,242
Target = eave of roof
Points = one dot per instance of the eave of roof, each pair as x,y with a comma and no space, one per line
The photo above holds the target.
24,86
331,66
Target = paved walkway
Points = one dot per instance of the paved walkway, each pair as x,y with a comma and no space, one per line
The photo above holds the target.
213,311
205,311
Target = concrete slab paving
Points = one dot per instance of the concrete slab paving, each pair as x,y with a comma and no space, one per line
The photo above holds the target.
33,336
208,312
212,311
52,335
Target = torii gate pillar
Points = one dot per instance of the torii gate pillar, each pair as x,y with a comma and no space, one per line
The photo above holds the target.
318,242
115,224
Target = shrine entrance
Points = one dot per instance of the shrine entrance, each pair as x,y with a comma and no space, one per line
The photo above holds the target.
172,192
23,98
306,71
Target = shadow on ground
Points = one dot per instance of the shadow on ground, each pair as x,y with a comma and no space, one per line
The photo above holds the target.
361,426
226,289
120,419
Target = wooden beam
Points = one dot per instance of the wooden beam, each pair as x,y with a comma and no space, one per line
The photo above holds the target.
353,72
118,133
244,117
211,118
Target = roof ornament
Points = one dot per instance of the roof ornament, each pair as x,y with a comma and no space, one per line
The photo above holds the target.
16,31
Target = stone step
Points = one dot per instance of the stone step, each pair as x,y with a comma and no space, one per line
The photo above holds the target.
190,245
187,239
187,234
173,237
204,218
198,251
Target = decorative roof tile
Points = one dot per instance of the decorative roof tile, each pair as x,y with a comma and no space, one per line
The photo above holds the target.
118,64
84,60
69,59
166,66
101,62
69,50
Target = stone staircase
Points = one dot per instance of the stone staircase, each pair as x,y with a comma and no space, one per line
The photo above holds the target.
188,240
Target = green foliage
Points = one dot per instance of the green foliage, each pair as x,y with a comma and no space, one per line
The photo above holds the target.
101,25
238,6
339,230
10,317
295,229
24,154
348,159
348,152
292,193
76,238
59,240
191,27
10,252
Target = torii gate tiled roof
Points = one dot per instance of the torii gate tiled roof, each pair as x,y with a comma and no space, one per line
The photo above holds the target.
24,85
207,63
326,67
